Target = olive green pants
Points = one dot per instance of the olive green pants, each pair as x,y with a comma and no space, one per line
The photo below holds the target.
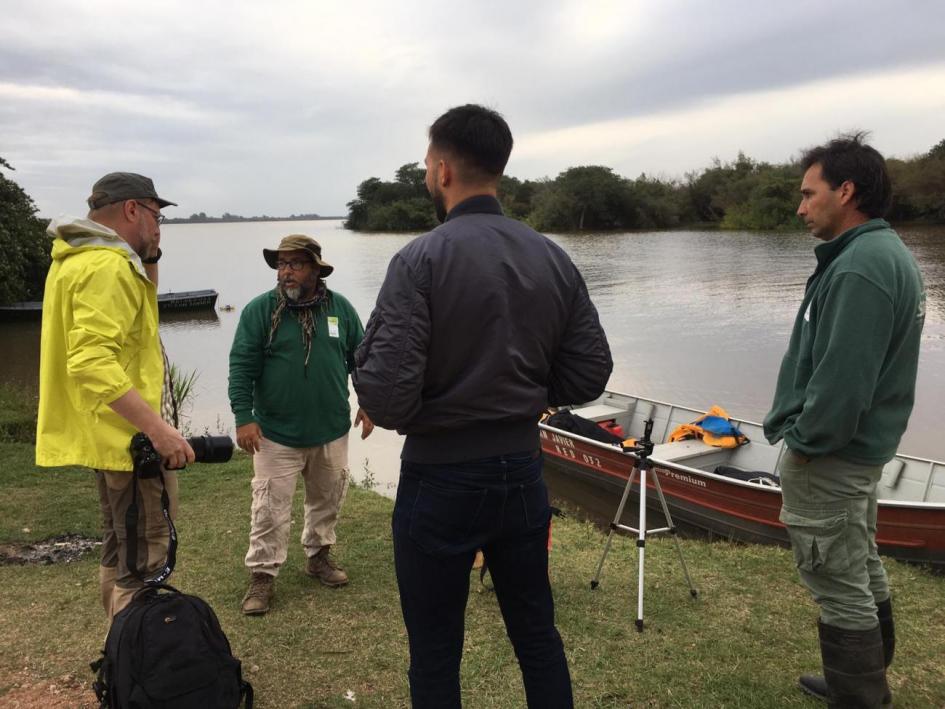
829,509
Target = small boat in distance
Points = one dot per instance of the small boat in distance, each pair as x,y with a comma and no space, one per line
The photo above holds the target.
733,492
188,300
183,300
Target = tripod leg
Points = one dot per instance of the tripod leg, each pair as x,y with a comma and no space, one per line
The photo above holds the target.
641,543
613,527
672,527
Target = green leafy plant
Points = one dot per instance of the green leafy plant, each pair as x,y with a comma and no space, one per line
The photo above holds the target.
182,384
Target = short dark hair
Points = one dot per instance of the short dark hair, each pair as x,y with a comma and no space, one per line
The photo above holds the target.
848,157
479,137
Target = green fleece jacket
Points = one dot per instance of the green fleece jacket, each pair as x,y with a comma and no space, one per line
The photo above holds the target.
847,381
294,404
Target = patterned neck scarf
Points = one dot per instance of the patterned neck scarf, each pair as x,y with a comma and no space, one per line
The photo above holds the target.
305,311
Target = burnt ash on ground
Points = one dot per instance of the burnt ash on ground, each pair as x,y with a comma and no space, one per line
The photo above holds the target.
60,549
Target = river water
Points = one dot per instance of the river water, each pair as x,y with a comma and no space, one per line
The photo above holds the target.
693,317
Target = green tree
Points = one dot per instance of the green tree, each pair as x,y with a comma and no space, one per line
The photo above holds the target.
517,196
771,202
659,204
702,188
919,187
413,177
401,205
414,214
23,244
586,197
937,152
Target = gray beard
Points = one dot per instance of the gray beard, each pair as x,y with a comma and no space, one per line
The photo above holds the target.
295,293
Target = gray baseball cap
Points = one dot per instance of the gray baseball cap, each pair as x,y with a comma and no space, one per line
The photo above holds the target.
119,186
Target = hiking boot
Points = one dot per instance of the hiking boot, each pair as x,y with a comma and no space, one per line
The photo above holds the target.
324,568
261,589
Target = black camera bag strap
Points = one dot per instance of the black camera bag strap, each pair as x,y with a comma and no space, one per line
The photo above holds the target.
131,533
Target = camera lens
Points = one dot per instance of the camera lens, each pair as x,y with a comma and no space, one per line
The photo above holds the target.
212,449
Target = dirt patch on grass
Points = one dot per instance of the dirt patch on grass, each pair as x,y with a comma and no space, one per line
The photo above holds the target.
23,691
56,550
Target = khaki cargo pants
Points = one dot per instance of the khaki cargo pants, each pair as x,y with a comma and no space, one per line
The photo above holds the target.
116,581
276,469
829,508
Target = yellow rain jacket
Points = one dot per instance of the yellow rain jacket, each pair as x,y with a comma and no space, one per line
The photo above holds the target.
99,340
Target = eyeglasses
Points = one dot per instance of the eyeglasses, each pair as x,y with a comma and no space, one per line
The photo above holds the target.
158,217
294,265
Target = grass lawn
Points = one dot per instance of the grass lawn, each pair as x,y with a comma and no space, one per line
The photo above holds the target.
742,643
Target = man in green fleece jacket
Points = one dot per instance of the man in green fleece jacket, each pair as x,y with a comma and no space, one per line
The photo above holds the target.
842,402
289,365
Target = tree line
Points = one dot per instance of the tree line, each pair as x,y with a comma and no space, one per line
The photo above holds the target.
741,194
226,217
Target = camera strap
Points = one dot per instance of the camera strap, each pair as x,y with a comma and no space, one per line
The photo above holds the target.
131,532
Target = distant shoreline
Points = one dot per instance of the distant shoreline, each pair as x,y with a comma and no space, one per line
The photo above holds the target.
234,219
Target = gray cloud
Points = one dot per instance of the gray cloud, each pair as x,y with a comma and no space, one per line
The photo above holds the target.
285,107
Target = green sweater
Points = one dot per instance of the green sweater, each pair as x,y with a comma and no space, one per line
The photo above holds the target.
847,381
294,404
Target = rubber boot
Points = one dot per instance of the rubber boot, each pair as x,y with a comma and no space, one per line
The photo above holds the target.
853,668
888,628
816,686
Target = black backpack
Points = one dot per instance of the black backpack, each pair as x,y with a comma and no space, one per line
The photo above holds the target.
166,648
573,423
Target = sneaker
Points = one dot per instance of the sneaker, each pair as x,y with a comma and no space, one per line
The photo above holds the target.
261,589
324,568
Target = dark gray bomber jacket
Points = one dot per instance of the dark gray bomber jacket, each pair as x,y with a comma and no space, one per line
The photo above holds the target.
479,326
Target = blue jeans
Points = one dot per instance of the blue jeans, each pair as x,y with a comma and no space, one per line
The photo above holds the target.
443,514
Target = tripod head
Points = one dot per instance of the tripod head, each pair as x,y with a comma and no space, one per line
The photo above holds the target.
642,447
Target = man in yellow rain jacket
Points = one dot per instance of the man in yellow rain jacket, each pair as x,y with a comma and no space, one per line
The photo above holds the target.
102,368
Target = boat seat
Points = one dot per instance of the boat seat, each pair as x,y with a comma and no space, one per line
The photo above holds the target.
598,412
683,450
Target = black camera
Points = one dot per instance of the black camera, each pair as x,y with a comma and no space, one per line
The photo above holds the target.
207,449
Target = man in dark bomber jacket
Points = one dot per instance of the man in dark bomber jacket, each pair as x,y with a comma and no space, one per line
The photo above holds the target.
479,326
843,398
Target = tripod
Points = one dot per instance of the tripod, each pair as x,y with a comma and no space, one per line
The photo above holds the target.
643,449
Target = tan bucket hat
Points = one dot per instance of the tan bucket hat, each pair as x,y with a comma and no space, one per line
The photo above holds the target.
299,242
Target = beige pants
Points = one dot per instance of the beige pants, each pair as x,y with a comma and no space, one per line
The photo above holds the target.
276,468
116,581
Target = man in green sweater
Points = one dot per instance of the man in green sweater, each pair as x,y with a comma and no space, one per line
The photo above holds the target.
289,365
842,402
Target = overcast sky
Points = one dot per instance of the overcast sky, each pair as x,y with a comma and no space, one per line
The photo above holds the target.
284,107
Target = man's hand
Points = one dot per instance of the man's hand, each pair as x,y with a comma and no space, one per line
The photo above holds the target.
367,426
172,446
248,437
167,441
